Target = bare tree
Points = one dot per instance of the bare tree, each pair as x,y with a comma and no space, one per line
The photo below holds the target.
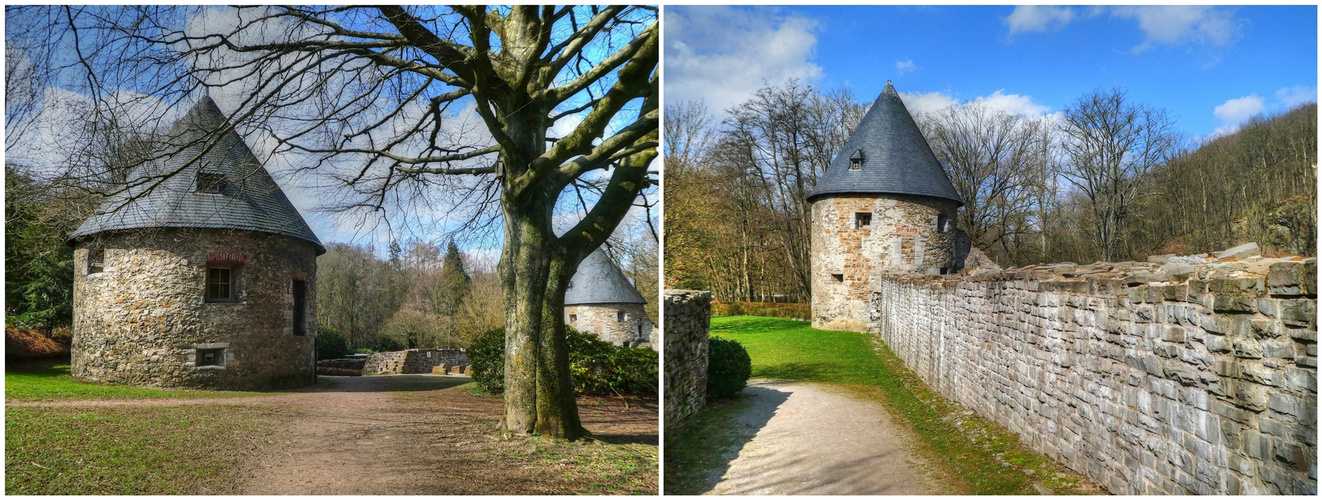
362,96
1111,146
999,164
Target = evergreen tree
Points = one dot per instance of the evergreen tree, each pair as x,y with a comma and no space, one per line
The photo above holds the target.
454,283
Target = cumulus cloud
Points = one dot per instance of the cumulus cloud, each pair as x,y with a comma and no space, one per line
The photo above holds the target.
1015,104
1296,95
1235,112
1037,18
723,55
905,66
1179,24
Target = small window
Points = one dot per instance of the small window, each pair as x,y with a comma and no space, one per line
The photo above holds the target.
220,284
573,318
96,260
862,220
945,270
619,316
210,357
212,183
839,278
856,161
941,223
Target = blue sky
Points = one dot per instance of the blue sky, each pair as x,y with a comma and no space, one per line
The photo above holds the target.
1211,67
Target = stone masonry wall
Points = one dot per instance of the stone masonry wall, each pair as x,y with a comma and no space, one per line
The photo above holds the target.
1150,379
902,238
687,323
603,320
415,361
144,319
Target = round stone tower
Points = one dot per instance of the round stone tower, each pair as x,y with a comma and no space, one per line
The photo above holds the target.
883,207
602,301
202,274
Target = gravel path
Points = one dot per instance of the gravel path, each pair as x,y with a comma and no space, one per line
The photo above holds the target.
812,441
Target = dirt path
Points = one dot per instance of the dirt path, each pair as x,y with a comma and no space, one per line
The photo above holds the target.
812,441
412,435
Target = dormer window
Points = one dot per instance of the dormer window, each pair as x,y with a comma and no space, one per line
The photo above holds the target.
856,161
212,183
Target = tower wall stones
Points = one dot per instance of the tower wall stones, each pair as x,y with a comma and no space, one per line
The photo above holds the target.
900,234
687,324
604,320
1150,380
144,320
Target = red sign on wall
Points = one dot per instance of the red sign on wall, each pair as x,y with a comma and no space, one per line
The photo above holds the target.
226,258
906,230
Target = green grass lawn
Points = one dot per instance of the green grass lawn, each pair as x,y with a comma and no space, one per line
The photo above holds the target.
187,449
49,380
982,455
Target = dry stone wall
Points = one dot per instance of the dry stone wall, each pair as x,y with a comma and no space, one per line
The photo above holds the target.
416,361
143,320
1149,378
687,323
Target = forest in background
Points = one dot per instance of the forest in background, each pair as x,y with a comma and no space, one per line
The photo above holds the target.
1105,179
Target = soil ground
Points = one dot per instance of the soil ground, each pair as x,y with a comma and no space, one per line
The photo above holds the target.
422,434
811,440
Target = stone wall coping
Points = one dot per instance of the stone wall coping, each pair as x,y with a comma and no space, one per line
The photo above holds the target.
212,345
1222,274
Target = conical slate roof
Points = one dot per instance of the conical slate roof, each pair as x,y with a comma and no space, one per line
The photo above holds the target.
895,157
599,281
202,142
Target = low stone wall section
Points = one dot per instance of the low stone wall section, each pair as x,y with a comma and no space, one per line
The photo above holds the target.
1150,379
687,324
417,361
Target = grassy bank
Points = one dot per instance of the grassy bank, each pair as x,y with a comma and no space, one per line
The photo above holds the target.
983,456
49,380
129,450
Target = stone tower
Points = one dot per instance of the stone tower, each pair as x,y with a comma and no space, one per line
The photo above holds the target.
602,301
202,274
883,207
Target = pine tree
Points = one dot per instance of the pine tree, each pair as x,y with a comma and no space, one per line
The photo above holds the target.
454,283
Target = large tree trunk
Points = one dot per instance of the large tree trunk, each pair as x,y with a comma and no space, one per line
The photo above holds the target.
534,272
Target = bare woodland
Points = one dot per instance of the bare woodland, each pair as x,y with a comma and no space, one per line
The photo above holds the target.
1107,179
469,121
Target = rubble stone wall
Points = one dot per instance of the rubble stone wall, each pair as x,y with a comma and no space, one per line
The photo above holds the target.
143,320
687,324
1151,379
415,361
604,320
901,237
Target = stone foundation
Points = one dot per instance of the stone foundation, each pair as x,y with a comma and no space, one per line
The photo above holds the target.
143,319
687,323
1149,379
416,361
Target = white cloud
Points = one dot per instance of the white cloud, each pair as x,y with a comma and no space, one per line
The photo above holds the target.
1296,95
1178,24
905,66
1036,18
1235,112
723,55
926,102
1015,104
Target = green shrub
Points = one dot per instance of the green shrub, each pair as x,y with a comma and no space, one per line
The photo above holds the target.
487,357
330,343
795,310
728,368
385,344
595,366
